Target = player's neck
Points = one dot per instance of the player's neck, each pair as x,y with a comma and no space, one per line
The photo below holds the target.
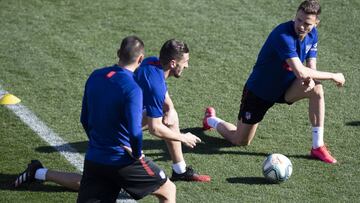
130,67
302,37
167,73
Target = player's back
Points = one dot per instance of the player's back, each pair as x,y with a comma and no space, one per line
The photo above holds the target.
106,99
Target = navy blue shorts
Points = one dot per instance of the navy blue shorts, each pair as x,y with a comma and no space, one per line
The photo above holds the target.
253,108
102,183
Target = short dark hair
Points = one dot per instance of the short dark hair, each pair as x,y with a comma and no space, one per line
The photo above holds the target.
310,7
172,49
131,47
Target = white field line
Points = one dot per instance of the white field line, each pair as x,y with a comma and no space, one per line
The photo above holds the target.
49,136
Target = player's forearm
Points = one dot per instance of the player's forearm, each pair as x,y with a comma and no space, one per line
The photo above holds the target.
136,144
165,133
311,63
304,72
314,74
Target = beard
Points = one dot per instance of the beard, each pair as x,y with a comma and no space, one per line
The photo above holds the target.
175,73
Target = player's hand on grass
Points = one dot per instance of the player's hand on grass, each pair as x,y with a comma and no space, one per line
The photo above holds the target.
129,151
170,117
309,83
339,79
190,139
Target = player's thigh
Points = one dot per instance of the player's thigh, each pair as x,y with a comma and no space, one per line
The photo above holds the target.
252,109
171,120
98,191
141,178
144,122
296,92
167,190
96,184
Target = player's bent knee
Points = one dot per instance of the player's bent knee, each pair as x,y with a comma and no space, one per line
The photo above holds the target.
167,191
318,90
171,187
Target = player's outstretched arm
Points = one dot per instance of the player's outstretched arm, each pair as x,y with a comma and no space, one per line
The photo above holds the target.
304,72
157,128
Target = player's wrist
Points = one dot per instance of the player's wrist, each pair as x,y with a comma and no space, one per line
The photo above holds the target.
182,137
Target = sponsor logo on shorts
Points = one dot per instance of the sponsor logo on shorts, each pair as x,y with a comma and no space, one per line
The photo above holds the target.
247,115
162,174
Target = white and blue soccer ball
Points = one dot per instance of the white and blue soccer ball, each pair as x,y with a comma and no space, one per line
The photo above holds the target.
277,168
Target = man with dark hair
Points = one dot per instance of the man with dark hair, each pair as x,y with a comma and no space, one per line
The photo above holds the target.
279,76
111,117
160,114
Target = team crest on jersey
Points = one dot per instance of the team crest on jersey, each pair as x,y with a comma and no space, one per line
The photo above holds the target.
247,115
308,47
311,47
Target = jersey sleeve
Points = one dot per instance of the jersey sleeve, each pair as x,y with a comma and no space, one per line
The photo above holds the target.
84,113
285,45
154,103
313,50
134,115
154,95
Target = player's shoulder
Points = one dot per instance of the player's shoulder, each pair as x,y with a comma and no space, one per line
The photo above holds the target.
285,27
283,31
124,79
149,68
313,33
100,72
151,63
121,74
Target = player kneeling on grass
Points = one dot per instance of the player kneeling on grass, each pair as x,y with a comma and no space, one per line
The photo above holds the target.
160,114
279,76
160,117
111,116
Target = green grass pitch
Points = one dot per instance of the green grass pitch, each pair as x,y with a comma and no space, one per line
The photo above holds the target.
49,47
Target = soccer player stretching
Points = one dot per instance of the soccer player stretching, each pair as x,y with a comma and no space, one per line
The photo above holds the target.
279,76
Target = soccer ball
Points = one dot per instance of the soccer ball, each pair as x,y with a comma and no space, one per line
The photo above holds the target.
277,168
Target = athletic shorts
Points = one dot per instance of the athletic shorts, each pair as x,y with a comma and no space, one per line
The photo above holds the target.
102,183
253,108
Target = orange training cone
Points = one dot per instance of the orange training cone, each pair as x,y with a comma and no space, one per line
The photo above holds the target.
9,99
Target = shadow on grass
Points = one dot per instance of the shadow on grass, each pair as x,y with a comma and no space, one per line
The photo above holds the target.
211,145
6,183
353,123
79,146
82,146
300,156
249,180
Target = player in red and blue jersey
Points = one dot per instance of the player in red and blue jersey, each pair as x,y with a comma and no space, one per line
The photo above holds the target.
159,111
159,116
112,117
279,76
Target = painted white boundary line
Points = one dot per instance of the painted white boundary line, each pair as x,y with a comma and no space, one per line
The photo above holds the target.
49,136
